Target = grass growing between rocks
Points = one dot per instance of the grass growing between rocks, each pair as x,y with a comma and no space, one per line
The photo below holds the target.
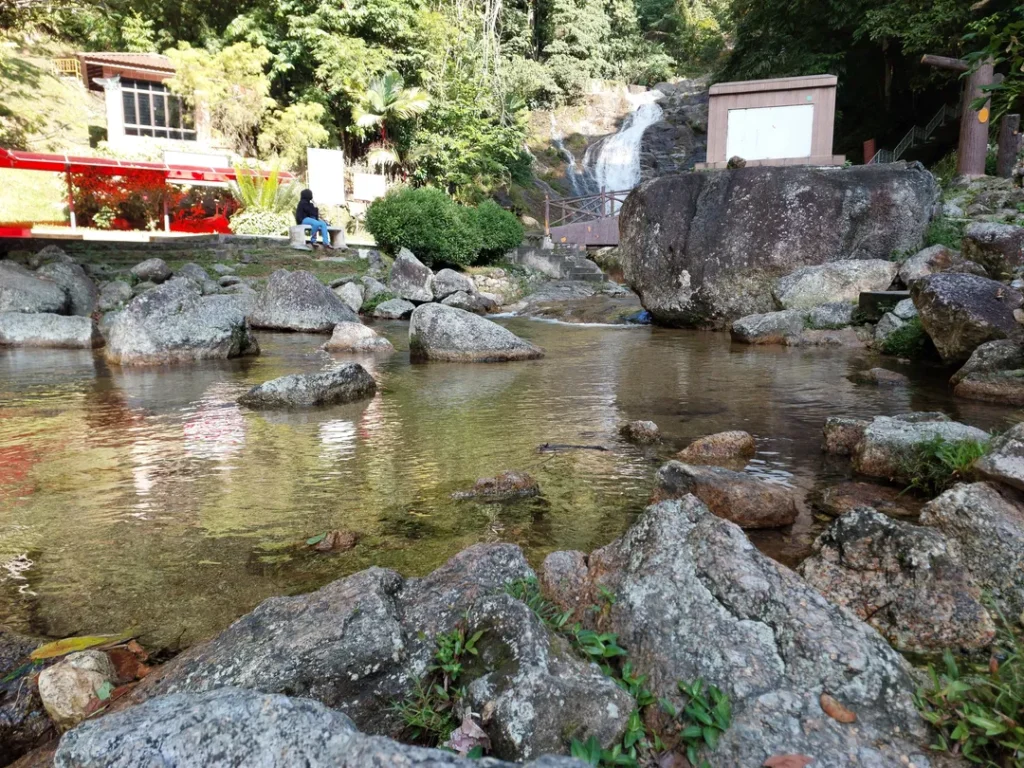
944,231
376,301
978,709
938,464
909,340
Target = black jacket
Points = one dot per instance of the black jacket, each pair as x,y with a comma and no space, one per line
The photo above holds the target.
306,209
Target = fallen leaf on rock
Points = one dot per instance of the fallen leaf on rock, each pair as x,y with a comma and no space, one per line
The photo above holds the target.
72,644
836,711
126,664
787,761
467,737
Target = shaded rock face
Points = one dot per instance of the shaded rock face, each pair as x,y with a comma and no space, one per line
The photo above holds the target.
888,325
173,323
394,309
114,295
1004,460
508,485
728,448
411,279
704,249
82,294
771,643
999,248
346,384
934,259
152,271
236,727
736,496
448,281
837,500
994,373
890,442
352,295
838,281
297,301
902,580
640,432
842,434
961,312
769,327
985,531
356,337
437,332
42,329
24,291
476,303
372,288
23,721
831,316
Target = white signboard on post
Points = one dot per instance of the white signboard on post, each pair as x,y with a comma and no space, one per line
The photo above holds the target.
326,175
769,133
368,186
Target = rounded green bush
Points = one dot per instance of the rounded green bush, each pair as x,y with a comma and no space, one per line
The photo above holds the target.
499,229
253,221
427,222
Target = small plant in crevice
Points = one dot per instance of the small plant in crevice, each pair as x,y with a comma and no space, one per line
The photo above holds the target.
705,717
909,340
429,712
937,464
376,301
944,231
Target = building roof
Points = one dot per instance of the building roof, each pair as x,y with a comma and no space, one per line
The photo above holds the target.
151,61
775,84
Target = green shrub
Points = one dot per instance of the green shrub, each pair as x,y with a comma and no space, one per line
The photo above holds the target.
944,231
376,301
909,340
938,464
254,221
500,230
427,222
945,169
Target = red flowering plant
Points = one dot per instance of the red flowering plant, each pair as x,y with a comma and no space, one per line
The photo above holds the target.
132,199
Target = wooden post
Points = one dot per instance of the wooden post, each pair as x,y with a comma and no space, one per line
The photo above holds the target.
71,197
973,146
1009,145
869,150
167,216
547,214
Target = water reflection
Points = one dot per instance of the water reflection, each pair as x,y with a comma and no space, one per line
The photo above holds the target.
147,499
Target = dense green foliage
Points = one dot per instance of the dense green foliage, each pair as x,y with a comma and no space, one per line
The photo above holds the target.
938,464
500,231
909,340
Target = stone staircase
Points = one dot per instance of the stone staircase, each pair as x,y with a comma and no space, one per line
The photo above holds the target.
559,262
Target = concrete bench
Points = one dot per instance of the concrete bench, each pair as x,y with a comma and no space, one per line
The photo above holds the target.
299,236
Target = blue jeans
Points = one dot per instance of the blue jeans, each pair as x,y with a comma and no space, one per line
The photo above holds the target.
317,226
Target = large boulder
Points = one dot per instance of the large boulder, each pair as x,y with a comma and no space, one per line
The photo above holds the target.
1004,460
393,309
43,329
356,337
993,373
448,281
174,323
152,271
474,302
837,281
24,291
999,248
902,580
346,384
961,312
114,295
769,327
235,727
935,259
704,249
985,530
372,288
742,498
437,332
411,279
352,294
297,301
79,288
692,599
889,445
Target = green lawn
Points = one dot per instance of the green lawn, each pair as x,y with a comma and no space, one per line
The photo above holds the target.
31,196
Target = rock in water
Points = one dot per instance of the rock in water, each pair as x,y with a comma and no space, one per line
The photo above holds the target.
641,432
69,686
508,485
890,443
79,288
902,580
994,373
173,323
24,723
742,498
838,281
356,337
985,530
837,500
394,309
152,271
769,327
448,281
297,301
881,377
704,249
476,303
346,384
42,329
411,279
437,332
842,434
24,291
235,727
726,448
961,312
771,643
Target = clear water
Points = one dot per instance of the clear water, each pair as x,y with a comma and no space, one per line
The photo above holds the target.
147,500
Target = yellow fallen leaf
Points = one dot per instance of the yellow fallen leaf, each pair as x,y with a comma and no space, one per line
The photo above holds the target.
72,644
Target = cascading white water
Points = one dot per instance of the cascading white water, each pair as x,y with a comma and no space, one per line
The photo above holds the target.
576,178
613,164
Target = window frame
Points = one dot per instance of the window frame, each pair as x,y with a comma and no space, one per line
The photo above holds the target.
136,93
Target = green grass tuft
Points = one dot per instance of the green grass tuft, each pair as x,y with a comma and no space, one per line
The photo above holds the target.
938,464
909,340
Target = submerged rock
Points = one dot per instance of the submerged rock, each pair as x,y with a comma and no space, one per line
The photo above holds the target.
394,309
69,687
837,500
738,497
993,373
706,248
24,291
82,294
985,531
437,332
411,279
642,432
831,316
1003,462
152,271
881,377
356,337
692,598
508,485
297,301
837,281
902,580
729,448
346,384
961,312
42,329
173,323
235,727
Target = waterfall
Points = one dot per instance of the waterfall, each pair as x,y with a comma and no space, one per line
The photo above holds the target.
577,180
613,164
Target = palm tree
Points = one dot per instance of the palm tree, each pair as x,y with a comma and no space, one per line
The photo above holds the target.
387,99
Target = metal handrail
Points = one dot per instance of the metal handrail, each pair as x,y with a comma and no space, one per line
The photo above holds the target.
574,210
915,134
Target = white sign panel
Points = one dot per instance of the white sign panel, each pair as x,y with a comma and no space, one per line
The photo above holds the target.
770,133
368,186
196,158
326,175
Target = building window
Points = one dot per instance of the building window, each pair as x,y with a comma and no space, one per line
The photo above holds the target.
151,110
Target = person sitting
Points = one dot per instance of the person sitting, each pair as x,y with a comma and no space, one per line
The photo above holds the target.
308,215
